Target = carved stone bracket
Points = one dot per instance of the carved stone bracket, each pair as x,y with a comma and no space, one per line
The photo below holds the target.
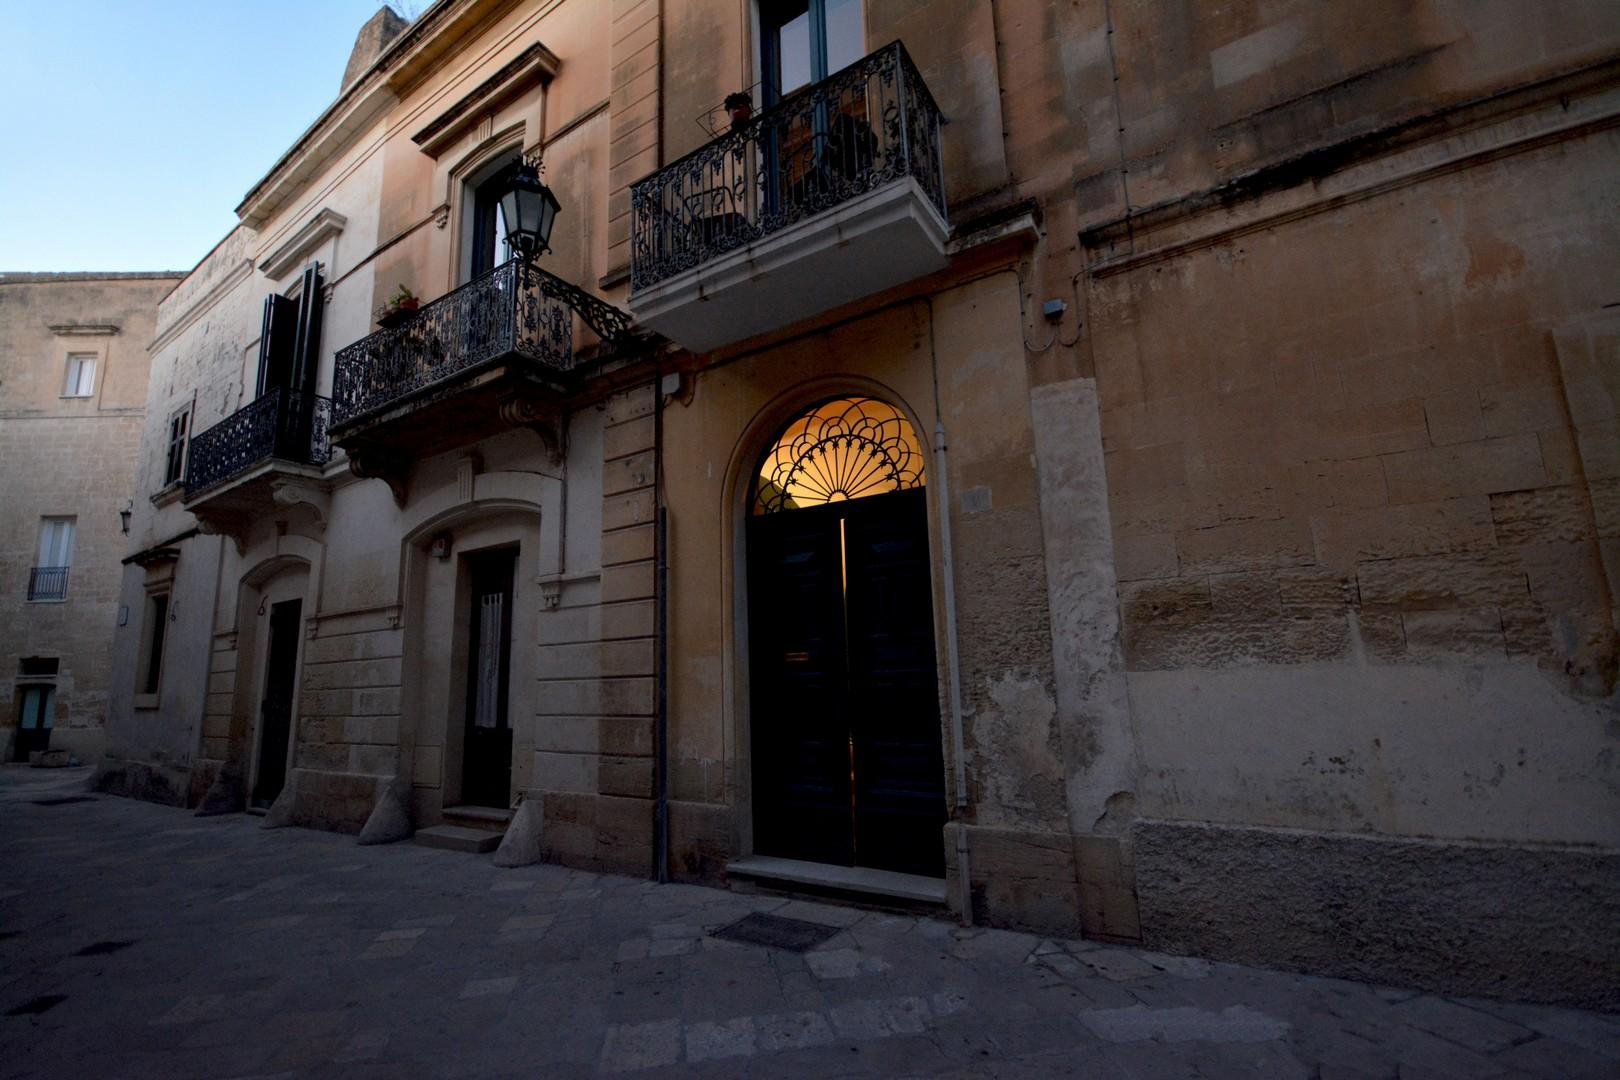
540,415
298,490
369,461
218,523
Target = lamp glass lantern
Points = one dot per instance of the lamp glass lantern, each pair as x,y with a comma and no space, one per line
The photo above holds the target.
530,210
124,516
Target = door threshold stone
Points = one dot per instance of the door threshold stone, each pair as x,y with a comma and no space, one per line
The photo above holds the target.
851,879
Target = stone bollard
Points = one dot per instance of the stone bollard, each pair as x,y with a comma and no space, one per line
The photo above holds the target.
390,819
521,844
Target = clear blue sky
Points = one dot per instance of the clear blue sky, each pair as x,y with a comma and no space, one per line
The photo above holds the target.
131,130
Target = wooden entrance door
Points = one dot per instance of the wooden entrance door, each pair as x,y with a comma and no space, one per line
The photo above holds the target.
34,709
848,766
276,707
486,764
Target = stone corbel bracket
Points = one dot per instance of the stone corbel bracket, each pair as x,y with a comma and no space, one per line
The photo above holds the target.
369,461
543,417
303,491
232,526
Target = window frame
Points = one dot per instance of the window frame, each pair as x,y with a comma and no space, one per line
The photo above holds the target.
73,378
154,637
47,521
174,464
480,210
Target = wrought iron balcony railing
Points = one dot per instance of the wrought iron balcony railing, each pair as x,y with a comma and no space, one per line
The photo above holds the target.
48,583
516,310
853,132
284,424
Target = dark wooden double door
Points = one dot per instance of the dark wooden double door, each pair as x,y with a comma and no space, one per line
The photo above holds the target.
847,760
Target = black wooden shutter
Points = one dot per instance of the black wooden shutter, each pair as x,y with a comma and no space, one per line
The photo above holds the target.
276,343
307,360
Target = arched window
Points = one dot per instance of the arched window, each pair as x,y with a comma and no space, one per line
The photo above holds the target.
847,448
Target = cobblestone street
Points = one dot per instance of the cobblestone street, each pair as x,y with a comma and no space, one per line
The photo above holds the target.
140,941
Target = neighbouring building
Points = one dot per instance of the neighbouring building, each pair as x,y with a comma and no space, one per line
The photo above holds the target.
1146,471
73,367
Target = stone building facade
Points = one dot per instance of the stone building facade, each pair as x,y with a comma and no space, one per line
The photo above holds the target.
1137,470
73,366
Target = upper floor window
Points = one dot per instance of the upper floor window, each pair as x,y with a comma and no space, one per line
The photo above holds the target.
484,225
154,631
48,580
81,375
174,463
804,41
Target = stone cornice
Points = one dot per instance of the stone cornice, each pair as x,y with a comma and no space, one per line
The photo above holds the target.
84,329
417,50
315,231
207,300
534,63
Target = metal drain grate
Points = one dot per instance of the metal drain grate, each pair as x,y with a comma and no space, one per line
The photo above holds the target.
774,932
43,1003
64,800
102,948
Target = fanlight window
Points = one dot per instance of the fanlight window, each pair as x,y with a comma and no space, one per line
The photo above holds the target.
847,448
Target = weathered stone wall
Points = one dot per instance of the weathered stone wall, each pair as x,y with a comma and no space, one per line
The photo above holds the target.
1350,362
1458,918
68,457
1376,469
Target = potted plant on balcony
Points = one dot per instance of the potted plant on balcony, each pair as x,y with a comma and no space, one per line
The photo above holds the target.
398,307
739,106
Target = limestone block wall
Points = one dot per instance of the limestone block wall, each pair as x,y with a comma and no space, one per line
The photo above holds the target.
349,710
68,457
594,699
1361,558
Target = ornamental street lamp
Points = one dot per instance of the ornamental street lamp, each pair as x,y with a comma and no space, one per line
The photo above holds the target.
530,209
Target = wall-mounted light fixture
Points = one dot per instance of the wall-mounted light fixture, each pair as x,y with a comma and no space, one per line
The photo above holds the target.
530,209
124,514
440,549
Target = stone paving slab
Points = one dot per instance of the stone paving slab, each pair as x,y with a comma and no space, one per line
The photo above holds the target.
139,941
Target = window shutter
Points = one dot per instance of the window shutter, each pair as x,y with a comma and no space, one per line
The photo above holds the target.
308,349
276,343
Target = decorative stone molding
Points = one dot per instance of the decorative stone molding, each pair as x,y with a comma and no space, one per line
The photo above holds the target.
290,254
541,416
370,461
84,329
219,523
467,470
299,490
534,64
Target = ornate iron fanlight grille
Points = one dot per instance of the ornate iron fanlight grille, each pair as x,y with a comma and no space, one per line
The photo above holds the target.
848,448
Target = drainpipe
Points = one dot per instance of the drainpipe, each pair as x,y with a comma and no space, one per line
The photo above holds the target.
964,877
953,658
661,591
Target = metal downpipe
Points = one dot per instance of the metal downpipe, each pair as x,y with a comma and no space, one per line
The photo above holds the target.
964,876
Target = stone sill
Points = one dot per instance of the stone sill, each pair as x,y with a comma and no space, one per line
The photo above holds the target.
852,879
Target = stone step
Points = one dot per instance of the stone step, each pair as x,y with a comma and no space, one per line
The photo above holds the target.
489,818
458,838
840,879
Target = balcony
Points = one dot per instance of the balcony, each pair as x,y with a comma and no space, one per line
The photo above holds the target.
242,466
833,194
499,347
47,583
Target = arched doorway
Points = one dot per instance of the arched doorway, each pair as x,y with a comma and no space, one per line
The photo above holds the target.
273,601
846,747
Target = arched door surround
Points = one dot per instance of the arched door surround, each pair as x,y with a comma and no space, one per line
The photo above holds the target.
845,729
